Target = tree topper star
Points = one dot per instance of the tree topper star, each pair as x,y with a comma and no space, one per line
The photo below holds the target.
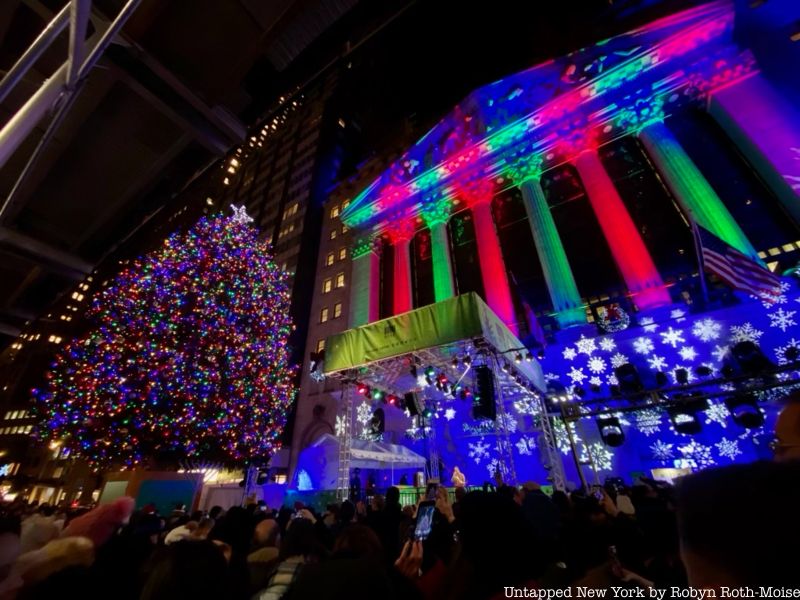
240,215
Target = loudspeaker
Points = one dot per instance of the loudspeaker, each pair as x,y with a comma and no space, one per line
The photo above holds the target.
483,405
412,404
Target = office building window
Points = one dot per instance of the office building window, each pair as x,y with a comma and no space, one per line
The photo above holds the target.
337,310
345,204
335,212
291,210
327,285
323,315
342,253
340,280
320,345
333,234
329,259
344,229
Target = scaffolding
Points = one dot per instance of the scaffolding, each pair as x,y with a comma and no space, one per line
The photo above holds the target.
346,438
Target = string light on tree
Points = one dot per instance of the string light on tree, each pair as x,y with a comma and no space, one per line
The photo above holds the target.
187,355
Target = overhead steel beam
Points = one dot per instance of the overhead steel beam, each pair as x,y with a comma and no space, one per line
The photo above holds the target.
34,51
79,19
45,253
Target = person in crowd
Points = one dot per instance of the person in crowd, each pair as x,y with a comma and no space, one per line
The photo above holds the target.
786,445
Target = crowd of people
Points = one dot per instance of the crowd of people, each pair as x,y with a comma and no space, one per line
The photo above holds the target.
731,526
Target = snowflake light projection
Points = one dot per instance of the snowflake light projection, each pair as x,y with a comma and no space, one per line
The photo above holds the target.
364,413
569,353
600,455
527,405
689,374
340,425
648,324
717,413
551,377
495,466
586,345
688,353
782,319
607,344
618,360
780,352
728,448
450,414
678,314
507,421
673,337
707,330
478,451
657,363
720,352
699,453
562,438
643,345
745,333
595,381
649,421
662,451
576,375
597,364
526,445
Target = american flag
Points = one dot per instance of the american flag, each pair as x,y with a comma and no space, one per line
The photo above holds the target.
738,270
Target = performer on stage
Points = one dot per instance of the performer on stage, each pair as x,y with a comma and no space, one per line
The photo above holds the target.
458,478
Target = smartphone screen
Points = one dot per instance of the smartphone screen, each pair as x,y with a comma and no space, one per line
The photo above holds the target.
430,493
424,520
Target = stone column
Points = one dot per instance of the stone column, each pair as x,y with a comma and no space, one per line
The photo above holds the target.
365,283
557,273
691,189
627,247
436,217
766,129
493,269
401,293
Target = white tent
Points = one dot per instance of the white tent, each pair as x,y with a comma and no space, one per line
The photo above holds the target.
318,465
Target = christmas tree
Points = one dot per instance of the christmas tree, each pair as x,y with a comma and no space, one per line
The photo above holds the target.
186,356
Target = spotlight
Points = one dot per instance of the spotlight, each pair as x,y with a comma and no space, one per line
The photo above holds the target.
684,415
506,367
467,360
682,376
363,389
518,357
750,359
427,412
377,394
528,357
610,431
429,371
629,380
454,362
580,392
703,371
792,353
391,399
540,353
745,411
661,379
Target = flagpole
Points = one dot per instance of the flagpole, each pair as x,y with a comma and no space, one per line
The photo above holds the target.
698,249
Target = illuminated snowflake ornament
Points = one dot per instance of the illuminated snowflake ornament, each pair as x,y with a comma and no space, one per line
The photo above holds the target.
478,451
240,216
450,414
662,451
364,413
728,448
340,425
706,330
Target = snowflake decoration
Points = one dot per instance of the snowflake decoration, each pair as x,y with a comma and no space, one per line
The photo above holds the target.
478,451
449,414
662,451
551,377
770,300
720,352
599,454
240,216
339,426
618,360
482,427
678,315
496,465
608,344
689,375
657,363
699,453
507,421
648,324
526,405
673,337
526,445
717,413
569,353
728,448
595,381
706,330
649,421
414,433
688,353
782,319
364,413
612,380
643,345
597,364
576,375
780,351
586,345
562,438
745,333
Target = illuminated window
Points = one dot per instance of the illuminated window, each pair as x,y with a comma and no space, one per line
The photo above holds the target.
320,345
333,234
345,204
340,280
323,315
344,229
335,212
291,210
787,247
337,310
329,259
77,296
327,285
342,253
